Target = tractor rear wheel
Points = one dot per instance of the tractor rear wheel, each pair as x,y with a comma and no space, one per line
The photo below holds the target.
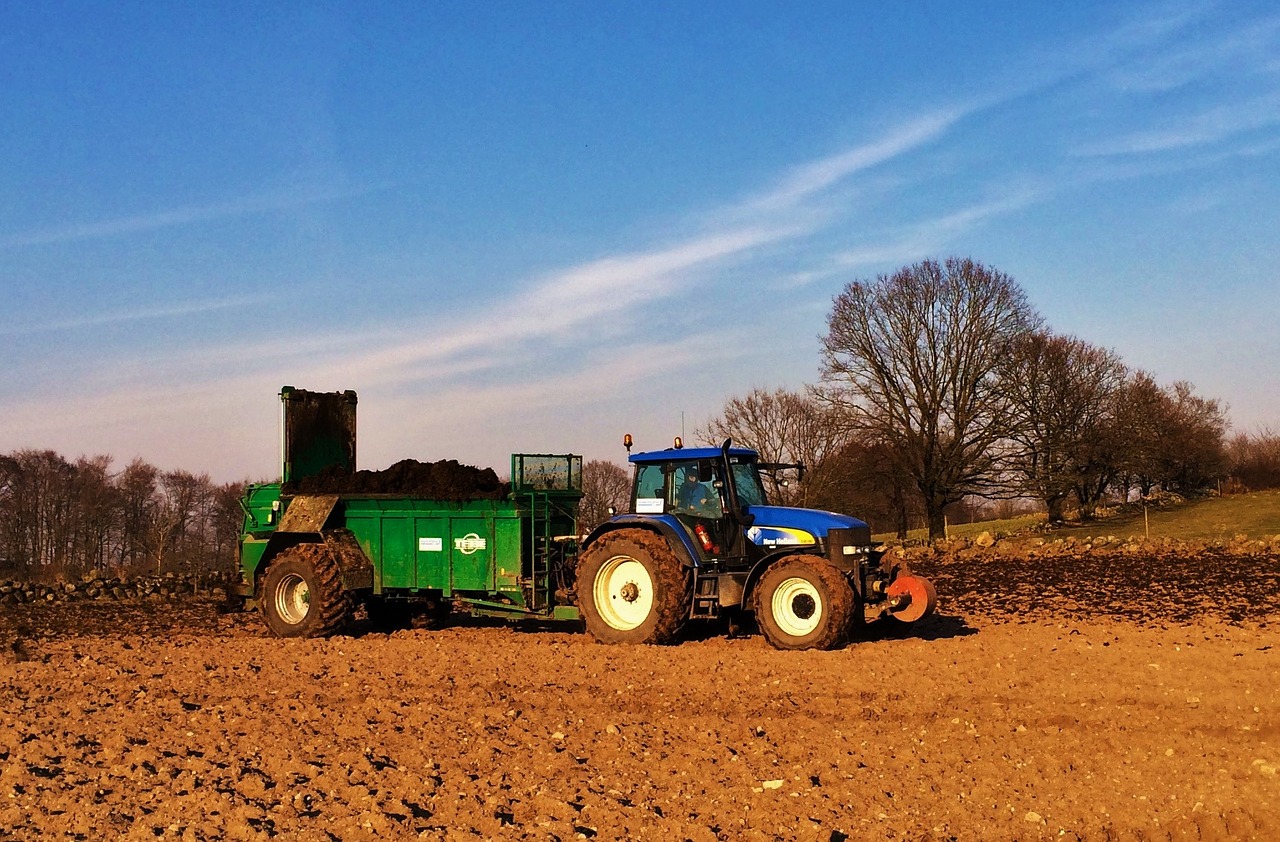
301,593
803,602
633,589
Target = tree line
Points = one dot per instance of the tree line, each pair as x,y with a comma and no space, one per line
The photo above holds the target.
941,383
62,519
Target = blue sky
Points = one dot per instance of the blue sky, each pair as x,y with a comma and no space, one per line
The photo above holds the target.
537,226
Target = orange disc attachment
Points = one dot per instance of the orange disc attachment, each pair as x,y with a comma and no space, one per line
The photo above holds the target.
920,600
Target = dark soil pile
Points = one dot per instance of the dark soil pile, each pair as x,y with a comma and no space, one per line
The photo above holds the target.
444,480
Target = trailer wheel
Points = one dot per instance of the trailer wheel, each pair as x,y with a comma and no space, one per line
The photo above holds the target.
633,589
301,593
803,602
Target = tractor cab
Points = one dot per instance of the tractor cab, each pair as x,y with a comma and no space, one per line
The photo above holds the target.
706,491
713,500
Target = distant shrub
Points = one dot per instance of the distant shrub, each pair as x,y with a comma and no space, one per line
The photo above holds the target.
1254,461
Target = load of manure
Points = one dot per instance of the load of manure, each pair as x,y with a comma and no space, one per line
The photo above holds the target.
443,480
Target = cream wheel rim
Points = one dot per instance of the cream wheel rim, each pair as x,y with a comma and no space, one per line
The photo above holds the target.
623,593
796,607
292,599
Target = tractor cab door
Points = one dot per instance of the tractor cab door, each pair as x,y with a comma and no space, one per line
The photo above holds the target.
693,491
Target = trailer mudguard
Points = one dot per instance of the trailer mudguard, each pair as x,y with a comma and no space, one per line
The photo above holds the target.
307,513
304,521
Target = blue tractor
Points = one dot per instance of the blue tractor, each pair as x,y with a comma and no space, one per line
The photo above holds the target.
701,541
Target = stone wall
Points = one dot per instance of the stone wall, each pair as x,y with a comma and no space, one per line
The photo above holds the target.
1022,547
170,586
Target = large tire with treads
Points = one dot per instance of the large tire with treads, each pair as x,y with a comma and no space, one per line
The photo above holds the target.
633,589
803,602
301,593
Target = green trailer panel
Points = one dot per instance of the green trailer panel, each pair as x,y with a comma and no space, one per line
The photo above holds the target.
431,556
471,549
395,552
433,545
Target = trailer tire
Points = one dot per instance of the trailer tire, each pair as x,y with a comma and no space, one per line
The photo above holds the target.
803,602
633,589
301,593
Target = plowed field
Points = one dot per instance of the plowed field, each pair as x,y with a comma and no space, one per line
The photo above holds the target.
1086,699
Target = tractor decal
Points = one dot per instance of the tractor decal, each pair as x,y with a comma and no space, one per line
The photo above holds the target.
779,536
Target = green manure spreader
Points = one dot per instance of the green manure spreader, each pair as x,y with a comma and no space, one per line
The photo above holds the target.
423,540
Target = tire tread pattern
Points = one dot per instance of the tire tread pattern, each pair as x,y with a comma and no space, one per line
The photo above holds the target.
841,601
673,585
331,604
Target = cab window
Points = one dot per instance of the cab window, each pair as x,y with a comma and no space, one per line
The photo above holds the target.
650,490
746,481
694,489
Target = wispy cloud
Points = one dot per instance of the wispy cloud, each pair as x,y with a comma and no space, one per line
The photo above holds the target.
810,179
1208,127
1165,63
929,236
145,222
606,288
566,307
564,302
188,308
631,363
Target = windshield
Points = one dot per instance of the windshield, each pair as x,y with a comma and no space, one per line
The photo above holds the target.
693,487
746,479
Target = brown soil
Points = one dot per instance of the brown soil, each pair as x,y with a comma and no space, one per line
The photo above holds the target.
443,480
1077,699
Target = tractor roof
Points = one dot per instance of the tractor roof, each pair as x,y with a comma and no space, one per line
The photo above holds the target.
671,454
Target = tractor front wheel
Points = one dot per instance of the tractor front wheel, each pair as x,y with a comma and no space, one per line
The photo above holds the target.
301,593
633,589
803,602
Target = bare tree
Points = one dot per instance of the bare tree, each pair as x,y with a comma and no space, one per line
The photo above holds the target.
1171,438
228,518
37,511
97,513
604,484
910,359
1255,459
138,504
1061,392
1195,450
784,427
866,482
179,501
62,519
